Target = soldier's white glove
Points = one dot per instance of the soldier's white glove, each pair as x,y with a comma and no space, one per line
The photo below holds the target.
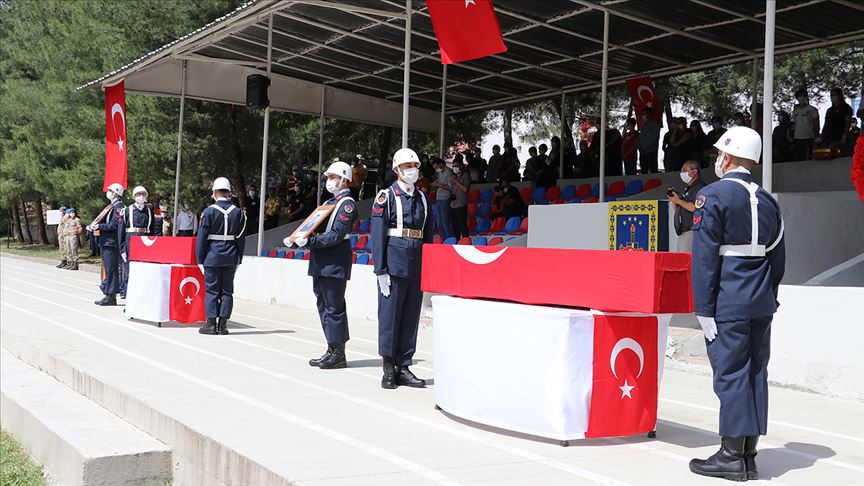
287,241
301,242
95,226
709,327
384,284
125,258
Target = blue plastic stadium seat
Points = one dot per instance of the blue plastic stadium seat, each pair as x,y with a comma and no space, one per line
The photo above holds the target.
595,190
280,254
364,226
264,252
298,255
483,209
480,241
353,239
569,192
512,225
450,241
486,195
539,195
633,187
363,259
483,225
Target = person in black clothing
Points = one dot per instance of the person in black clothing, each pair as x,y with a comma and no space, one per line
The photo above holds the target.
583,161
838,119
684,204
252,208
782,138
297,207
512,203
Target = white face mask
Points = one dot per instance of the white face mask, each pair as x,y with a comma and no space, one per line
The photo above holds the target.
685,176
140,199
109,195
718,165
332,186
410,176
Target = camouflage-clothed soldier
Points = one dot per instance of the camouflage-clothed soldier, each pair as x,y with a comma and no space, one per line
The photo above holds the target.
61,238
72,230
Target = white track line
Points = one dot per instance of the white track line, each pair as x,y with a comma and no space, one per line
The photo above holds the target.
531,456
423,471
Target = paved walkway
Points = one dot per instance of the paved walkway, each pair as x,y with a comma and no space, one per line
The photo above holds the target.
251,409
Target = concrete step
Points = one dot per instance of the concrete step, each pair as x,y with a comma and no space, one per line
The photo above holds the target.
78,442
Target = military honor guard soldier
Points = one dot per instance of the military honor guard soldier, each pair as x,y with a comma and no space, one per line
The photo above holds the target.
738,262
137,221
108,227
400,226
219,248
330,265
72,230
61,239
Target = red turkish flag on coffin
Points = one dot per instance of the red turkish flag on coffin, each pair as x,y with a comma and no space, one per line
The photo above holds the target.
163,249
115,136
186,301
625,381
466,29
643,95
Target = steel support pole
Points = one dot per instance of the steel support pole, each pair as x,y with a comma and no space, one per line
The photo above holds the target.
768,96
603,85
179,147
321,141
754,105
441,126
263,193
407,74
561,145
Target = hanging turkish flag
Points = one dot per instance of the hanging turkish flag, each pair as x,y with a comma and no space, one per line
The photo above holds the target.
186,294
625,381
643,95
115,136
466,29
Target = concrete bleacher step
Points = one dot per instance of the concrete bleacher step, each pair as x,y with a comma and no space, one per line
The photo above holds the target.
78,442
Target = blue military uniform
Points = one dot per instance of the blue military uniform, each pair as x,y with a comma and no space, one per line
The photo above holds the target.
330,266
109,242
735,281
136,222
400,226
219,249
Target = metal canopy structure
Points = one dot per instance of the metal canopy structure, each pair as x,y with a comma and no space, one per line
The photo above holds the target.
377,61
553,46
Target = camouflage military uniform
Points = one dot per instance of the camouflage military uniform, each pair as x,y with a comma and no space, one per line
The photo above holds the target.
61,240
72,230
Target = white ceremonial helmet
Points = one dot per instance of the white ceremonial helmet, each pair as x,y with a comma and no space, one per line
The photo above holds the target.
116,189
741,142
139,189
221,183
404,156
341,169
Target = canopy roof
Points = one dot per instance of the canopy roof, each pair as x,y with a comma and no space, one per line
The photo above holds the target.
356,49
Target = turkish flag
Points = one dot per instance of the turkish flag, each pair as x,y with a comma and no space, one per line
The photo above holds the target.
115,136
466,29
643,95
186,294
625,382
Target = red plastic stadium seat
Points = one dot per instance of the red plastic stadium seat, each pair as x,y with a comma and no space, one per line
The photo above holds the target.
307,255
525,193
464,241
553,193
272,254
472,225
289,255
651,184
498,225
590,200
361,243
436,240
496,241
616,188
583,191
356,226
523,227
474,196
353,258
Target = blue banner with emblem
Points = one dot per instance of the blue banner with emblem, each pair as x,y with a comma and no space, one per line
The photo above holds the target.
638,226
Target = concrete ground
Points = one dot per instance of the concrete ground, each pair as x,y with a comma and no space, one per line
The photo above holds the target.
247,409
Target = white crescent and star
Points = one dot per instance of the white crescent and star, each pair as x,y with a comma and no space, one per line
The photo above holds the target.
183,282
621,345
645,88
115,109
473,255
469,2
148,240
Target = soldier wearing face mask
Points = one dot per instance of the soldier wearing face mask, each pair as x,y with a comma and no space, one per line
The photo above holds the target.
108,224
137,221
683,203
400,227
806,120
330,265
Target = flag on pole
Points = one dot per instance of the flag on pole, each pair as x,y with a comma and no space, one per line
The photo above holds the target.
115,136
643,95
466,29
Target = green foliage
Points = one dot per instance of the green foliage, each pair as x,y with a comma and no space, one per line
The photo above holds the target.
16,467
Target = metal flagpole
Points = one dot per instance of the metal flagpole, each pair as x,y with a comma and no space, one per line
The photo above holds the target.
603,83
321,141
561,141
407,76
263,194
753,117
179,146
768,95
443,111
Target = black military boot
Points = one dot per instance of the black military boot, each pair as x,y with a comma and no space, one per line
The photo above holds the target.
388,381
317,361
336,360
405,377
72,266
107,300
61,264
210,327
222,326
727,463
750,456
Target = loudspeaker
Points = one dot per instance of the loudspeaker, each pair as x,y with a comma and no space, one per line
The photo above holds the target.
256,91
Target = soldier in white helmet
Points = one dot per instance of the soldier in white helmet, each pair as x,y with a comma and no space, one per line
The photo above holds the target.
109,233
330,265
400,226
137,221
738,263
219,249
